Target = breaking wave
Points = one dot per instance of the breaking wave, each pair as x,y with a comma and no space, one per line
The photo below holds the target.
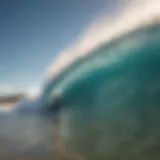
111,86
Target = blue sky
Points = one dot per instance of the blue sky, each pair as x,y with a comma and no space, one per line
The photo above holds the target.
32,32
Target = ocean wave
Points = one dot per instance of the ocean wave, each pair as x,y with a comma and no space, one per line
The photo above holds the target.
111,99
110,91
102,32
103,57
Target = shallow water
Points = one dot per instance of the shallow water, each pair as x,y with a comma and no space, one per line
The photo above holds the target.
25,135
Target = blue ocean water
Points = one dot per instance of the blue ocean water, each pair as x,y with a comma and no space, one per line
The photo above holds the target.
111,102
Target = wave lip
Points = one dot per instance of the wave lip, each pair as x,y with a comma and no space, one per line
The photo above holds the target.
126,19
101,32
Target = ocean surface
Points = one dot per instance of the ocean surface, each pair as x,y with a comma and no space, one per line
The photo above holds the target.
5,108
24,135
111,99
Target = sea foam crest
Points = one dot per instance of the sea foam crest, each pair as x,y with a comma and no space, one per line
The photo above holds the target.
104,29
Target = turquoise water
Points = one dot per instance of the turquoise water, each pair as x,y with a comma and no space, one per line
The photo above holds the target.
112,99
121,57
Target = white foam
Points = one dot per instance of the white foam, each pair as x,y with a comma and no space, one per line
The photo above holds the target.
126,19
5,108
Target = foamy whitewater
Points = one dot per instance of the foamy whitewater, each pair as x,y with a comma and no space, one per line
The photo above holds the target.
101,32
109,81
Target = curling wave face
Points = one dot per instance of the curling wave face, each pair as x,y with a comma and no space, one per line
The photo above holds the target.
111,99
109,91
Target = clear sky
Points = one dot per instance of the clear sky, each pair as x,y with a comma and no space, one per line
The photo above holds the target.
32,32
